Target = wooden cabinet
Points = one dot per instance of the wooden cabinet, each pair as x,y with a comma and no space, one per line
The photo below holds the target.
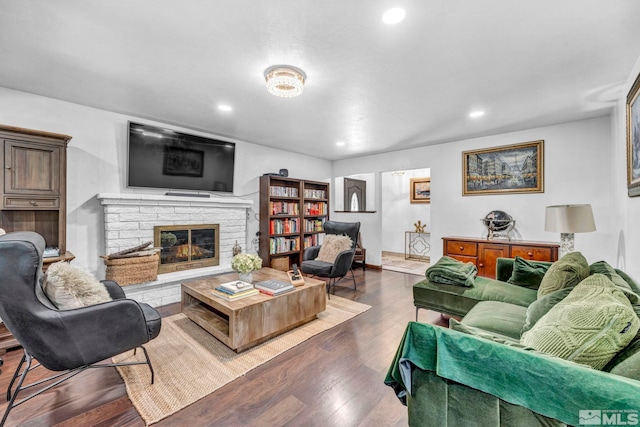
33,189
484,253
33,192
292,212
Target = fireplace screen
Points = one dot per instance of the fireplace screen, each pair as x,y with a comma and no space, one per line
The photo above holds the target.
187,246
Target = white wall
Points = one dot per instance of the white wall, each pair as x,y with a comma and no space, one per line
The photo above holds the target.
577,170
97,160
398,214
625,211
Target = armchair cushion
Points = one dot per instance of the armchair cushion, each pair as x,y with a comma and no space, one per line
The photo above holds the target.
69,287
317,268
332,246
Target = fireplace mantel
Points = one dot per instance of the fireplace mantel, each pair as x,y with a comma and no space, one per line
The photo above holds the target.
161,199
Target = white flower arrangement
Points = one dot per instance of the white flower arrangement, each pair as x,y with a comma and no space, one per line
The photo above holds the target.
246,263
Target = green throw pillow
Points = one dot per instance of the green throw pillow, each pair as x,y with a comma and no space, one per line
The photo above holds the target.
603,268
567,272
527,274
541,306
634,286
593,323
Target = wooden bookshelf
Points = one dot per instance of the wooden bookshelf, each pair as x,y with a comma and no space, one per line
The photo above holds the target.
292,212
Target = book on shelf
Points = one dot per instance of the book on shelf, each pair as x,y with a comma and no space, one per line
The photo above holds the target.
234,287
274,287
235,297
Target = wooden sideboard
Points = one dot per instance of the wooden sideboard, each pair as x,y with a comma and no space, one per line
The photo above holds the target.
484,253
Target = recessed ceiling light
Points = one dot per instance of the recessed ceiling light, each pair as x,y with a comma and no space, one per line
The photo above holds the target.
341,143
475,114
222,107
393,16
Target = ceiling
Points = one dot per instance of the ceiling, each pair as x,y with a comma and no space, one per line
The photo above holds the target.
375,87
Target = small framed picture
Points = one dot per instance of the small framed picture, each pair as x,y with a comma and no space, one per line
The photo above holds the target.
420,190
633,139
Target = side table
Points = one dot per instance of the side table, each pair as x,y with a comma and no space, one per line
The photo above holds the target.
417,245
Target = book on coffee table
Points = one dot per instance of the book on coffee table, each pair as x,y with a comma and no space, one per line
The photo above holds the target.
274,287
237,296
234,287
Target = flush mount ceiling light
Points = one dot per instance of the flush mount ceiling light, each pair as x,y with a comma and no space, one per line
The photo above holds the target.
476,114
393,16
284,81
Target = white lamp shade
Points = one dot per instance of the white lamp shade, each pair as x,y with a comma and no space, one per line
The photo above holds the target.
569,219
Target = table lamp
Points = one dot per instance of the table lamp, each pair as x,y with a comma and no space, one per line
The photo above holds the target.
566,220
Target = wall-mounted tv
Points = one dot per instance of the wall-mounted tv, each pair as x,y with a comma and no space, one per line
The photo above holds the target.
166,159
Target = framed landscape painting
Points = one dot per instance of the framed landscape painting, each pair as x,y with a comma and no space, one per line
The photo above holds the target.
517,168
420,190
633,140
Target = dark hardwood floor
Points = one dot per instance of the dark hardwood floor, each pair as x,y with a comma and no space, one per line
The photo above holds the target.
333,379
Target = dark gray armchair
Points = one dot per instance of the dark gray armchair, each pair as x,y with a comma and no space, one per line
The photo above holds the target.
66,341
342,265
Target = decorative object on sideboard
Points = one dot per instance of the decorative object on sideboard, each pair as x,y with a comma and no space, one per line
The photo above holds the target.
420,190
285,81
633,139
419,226
517,168
499,225
567,220
2,231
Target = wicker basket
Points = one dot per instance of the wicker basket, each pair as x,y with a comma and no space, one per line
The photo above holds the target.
280,263
132,270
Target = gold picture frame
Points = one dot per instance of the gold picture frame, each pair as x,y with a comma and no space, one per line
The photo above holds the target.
420,190
508,169
633,139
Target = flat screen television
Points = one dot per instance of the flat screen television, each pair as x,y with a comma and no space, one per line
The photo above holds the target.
166,159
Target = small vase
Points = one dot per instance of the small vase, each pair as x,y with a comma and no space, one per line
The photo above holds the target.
246,277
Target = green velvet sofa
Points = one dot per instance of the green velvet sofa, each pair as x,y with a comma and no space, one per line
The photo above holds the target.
458,300
477,373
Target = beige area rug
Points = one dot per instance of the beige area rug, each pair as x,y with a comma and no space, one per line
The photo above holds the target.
189,363
402,265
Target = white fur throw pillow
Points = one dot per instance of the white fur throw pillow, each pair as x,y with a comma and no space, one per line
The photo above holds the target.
71,287
332,246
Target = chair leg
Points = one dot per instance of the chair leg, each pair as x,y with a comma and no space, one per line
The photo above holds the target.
354,279
11,397
21,376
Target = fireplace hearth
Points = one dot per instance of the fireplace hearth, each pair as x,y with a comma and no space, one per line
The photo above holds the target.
187,246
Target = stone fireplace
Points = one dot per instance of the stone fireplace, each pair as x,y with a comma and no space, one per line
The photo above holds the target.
130,220
186,246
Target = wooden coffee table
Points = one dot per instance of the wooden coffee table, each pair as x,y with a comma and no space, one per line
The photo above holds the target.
252,320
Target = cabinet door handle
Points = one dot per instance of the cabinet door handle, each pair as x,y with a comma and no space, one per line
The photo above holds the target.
33,203
530,254
7,166
481,265
461,247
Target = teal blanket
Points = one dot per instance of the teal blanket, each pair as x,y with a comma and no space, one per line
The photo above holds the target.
449,271
544,384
